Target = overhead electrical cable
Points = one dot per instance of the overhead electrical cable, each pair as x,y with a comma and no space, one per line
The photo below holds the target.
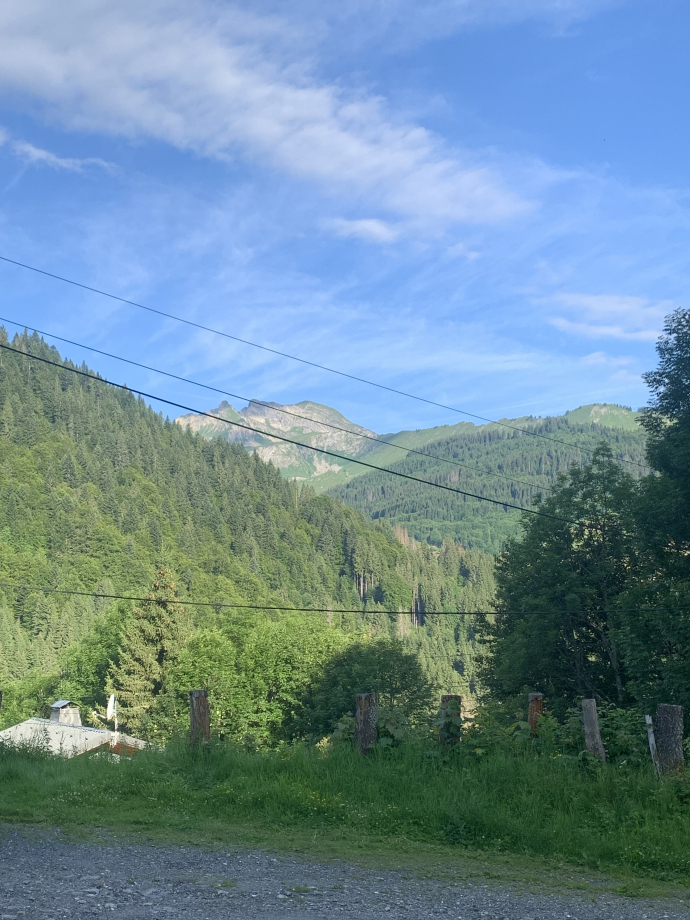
258,402
283,354
319,450
226,605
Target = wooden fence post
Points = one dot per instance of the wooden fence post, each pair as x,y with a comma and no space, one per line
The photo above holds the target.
450,732
447,697
593,741
199,717
536,707
366,719
669,738
652,745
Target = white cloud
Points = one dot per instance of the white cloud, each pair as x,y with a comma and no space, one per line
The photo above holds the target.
625,376
38,157
202,80
611,316
461,250
601,359
370,229
409,22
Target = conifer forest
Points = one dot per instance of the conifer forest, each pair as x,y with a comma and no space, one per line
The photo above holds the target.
141,559
101,495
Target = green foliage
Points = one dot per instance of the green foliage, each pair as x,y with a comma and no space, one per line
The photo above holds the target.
431,514
450,723
554,630
151,643
281,663
612,593
381,666
98,492
655,632
344,730
392,726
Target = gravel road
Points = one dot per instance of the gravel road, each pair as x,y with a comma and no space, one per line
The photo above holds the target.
46,875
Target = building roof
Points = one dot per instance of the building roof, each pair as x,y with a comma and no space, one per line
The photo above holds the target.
60,704
66,740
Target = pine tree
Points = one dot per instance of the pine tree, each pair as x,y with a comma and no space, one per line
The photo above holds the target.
152,641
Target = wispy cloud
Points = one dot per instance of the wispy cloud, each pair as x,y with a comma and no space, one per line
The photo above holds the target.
201,81
38,157
611,316
370,229
408,22
601,359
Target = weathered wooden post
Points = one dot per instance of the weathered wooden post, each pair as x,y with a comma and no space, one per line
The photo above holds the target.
669,738
366,719
593,741
536,707
450,732
652,745
456,699
199,717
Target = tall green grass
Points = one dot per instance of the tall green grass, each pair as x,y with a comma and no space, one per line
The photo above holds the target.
557,807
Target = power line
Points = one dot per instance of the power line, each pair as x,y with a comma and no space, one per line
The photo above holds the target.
258,402
320,450
219,604
323,367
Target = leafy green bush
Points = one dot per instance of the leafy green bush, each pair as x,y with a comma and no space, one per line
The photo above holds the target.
392,726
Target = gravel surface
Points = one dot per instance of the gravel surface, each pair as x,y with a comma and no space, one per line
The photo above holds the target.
46,875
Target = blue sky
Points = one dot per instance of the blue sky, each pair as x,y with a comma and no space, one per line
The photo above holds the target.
484,202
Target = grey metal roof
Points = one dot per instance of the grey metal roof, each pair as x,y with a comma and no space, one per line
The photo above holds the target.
56,737
60,704
64,739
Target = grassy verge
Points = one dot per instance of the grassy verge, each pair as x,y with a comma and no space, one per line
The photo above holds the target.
397,802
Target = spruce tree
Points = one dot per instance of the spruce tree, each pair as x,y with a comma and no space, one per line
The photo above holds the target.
151,642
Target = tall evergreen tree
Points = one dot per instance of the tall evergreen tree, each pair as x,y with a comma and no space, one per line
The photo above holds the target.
558,590
656,628
152,642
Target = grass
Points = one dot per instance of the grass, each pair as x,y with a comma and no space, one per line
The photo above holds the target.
396,802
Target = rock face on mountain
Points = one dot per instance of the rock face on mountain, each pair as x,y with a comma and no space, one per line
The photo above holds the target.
309,422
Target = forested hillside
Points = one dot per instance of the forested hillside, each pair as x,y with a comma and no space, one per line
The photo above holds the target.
98,492
530,466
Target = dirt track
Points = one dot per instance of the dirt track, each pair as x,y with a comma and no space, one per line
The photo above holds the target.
45,875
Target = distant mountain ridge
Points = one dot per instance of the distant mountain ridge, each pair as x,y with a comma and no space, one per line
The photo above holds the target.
493,460
308,422
305,421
